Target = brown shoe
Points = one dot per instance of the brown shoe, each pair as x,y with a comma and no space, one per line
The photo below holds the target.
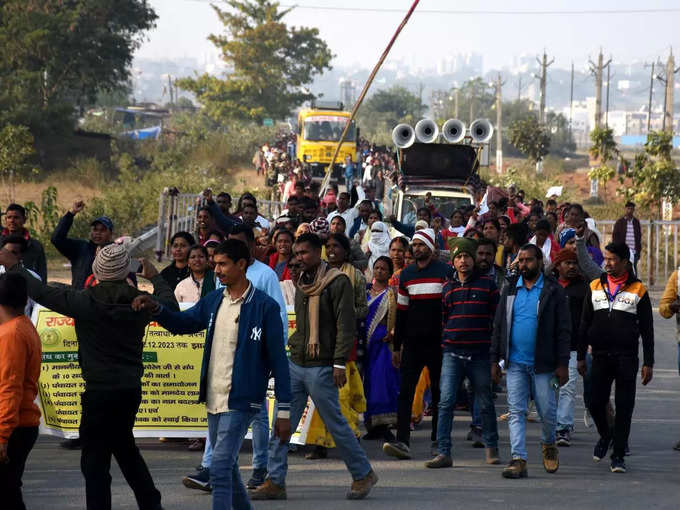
492,456
516,469
268,490
361,488
551,457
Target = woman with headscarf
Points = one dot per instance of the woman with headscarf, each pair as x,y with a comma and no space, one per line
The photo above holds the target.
379,245
351,395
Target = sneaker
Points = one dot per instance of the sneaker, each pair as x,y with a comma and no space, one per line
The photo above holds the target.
199,480
361,488
475,436
516,469
197,445
257,478
551,457
492,456
397,449
268,490
71,444
617,465
563,437
601,449
440,461
587,419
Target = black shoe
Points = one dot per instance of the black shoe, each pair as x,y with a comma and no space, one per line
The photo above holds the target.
475,435
563,437
71,444
199,480
601,449
397,449
258,477
618,465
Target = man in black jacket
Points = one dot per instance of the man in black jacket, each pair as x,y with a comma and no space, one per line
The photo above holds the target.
566,270
110,342
532,336
81,253
616,312
34,253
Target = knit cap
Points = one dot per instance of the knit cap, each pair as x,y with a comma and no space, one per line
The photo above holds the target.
112,263
459,245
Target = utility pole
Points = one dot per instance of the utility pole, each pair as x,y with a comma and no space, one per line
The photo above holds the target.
571,99
519,89
499,122
651,92
668,98
606,111
544,68
596,70
170,88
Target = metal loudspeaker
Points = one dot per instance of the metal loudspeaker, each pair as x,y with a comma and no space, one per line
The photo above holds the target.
427,131
481,131
403,136
453,131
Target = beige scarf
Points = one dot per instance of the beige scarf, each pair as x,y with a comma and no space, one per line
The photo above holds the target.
324,276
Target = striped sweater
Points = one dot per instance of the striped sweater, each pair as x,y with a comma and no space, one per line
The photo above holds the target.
419,305
468,310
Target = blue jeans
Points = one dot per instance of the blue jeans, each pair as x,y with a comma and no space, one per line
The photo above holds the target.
260,426
317,383
567,396
521,380
227,432
478,369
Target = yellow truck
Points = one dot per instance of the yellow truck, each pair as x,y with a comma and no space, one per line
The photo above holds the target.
318,131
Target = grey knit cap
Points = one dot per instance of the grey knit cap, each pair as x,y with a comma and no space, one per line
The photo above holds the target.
112,263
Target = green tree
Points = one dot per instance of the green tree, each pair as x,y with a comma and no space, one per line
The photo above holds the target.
56,56
530,138
654,174
271,63
16,147
604,150
380,113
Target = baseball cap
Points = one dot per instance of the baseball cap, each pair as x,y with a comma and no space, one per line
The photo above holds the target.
104,220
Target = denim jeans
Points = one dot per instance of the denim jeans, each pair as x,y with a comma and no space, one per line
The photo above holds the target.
567,398
521,380
227,432
455,366
260,427
317,383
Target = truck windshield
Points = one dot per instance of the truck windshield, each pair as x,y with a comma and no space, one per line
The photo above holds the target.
327,129
444,206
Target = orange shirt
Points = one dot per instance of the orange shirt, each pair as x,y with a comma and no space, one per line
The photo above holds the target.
20,356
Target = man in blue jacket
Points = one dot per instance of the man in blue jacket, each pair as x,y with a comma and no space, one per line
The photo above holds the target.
243,347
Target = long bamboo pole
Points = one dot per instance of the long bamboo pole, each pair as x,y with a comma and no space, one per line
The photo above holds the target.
367,85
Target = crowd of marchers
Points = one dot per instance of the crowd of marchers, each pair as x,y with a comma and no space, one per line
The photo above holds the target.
394,322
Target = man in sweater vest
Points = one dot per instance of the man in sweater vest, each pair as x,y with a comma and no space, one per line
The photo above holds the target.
417,339
469,305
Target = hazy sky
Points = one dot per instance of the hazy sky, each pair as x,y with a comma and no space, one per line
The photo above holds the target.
359,37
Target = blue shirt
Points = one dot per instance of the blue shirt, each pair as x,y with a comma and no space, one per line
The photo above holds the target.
264,278
525,322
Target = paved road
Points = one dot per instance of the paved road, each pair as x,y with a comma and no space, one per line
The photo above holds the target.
53,480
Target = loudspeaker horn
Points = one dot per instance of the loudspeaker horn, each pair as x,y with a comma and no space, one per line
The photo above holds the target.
403,136
481,131
427,131
453,130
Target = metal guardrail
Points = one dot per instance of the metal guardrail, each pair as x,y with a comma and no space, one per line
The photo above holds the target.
177,212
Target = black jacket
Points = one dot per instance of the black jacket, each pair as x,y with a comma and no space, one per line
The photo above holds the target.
615,327
34,257
576,294
80,253
110,334
553,337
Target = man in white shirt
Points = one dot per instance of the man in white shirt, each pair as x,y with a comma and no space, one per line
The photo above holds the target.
344,210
